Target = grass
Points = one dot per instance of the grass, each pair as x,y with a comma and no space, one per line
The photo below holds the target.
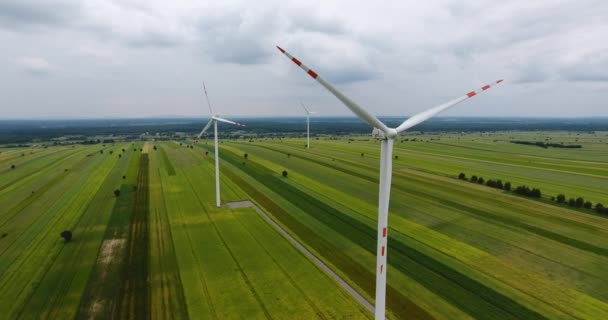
163,250
228,267
566,251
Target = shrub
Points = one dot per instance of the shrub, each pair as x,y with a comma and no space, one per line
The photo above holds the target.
587,205
561,198
579,202
462,176
12,166
285,173
124,177
362,154
152,148
396,157
245,156
473,179
507,186
206,153
117,192
480,180
599,208
66,235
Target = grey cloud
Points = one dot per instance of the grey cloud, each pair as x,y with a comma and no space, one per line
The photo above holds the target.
27,14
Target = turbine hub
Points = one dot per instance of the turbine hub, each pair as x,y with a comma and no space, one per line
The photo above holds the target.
381,135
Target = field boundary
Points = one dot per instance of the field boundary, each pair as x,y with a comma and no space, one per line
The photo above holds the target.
304,251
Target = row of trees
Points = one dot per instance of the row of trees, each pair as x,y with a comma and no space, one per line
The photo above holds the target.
580,203
497,184
526,191
536,193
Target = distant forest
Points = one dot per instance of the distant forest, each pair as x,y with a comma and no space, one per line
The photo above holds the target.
21,131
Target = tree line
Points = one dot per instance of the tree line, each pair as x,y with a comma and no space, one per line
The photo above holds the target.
536,193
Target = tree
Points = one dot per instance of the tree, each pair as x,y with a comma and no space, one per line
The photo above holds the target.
362,154
535,193
120,155
561,198
245,156
66,235
480,180
101,151
599,208
579,202
507,186
396,157
572,202
123,150
152,148
462,176
12,166
124,177
111,151
587,205
206,153
498,184
473,178
117,192
285,173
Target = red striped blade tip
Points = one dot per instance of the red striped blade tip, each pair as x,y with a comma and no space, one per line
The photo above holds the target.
281,49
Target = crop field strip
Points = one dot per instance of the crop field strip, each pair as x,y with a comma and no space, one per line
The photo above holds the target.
253,152
58,293
249,270
106,286
166,289
32,252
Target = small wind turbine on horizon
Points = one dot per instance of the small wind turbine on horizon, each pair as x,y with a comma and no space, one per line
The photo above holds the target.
308,113
387,137
214,120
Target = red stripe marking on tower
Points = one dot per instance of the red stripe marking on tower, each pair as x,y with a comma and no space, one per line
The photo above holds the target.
472,93
499,81
281,49
486,87
296,61
383,251
384,232
381,268
313,74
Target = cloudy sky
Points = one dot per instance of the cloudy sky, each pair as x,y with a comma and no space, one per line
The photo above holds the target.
149,58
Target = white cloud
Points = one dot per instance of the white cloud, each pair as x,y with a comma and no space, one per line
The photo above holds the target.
35,65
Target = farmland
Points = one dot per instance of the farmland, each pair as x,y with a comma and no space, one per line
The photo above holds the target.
162,250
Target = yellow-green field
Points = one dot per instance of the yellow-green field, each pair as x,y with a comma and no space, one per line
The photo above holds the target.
162,250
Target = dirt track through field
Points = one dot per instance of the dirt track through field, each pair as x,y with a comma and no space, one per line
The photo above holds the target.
304,251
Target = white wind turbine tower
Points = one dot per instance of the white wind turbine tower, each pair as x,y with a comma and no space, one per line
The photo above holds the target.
308,113
387,137
215,119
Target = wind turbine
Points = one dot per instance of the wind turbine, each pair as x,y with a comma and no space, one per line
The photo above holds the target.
387,137
214,120
308,113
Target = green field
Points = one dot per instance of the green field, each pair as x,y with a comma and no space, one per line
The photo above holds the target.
162,250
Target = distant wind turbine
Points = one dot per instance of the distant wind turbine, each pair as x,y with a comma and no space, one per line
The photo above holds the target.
387,137
308,113
215,119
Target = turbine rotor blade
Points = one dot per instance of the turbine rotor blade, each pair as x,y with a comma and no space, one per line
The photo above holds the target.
205,128
355,108
228,121
304,107
427,114
207,97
